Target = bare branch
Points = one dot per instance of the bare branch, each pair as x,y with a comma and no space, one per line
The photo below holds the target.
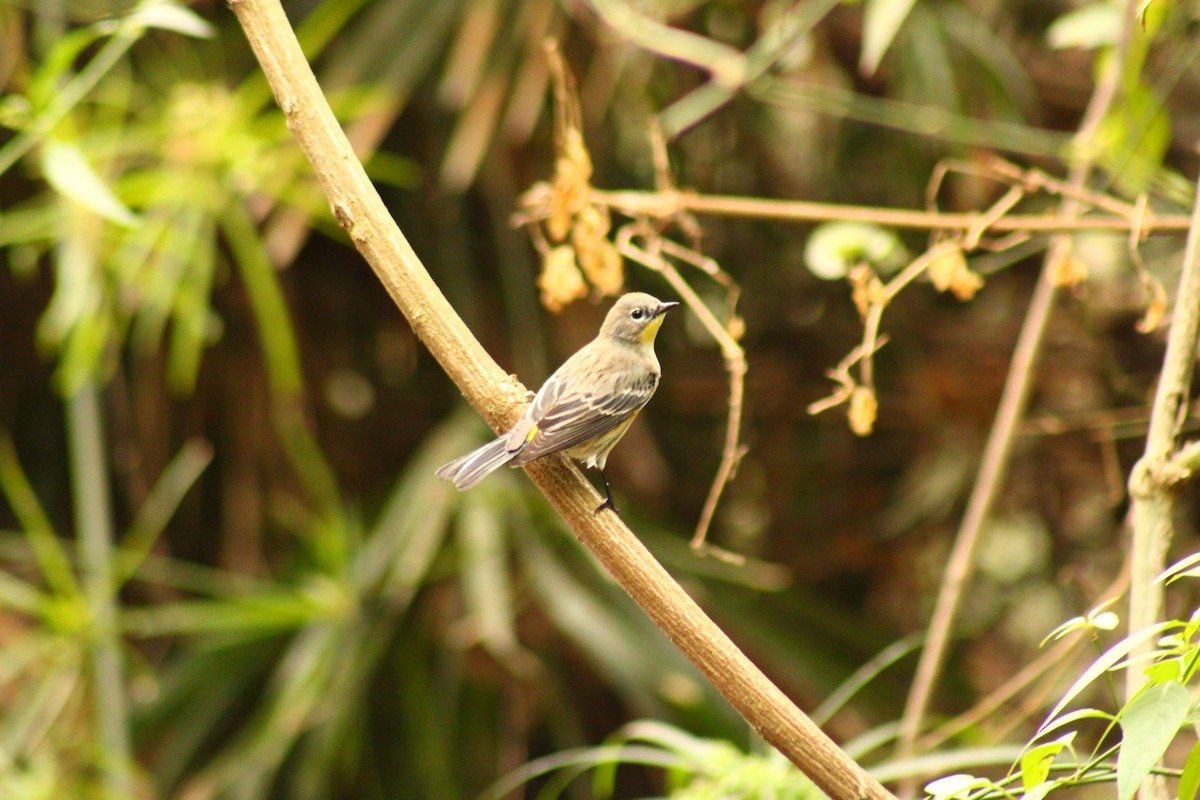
358,208
998,449
1152,482
662,205
735,362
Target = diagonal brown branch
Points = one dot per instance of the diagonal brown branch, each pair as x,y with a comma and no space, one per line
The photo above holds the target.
360,211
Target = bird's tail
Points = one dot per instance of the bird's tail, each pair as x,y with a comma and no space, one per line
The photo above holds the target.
468,470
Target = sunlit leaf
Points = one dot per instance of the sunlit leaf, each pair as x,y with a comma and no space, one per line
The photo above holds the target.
1035,764
1148,724
1089,26
582,758
1096,618
171,17
1184,568
1102,665
1075,716
881,22
30,225
160,504
1168,671
67,169
19,595
48,550
1189,781
954,786
1041,790
15,112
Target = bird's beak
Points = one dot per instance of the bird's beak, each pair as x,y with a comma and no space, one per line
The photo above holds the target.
664,308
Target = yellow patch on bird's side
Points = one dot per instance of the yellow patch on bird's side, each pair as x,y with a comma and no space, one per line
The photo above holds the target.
651,330
532,433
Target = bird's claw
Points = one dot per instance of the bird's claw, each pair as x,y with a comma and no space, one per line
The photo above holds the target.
610,505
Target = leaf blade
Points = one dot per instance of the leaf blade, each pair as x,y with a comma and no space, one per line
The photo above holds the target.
67,170
1148,724
881,22
1101,665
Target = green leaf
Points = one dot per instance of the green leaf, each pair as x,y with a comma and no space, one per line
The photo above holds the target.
833,248
957,785
1041,790
48,551
59,64
1148,725
881,22
1094,25
1189,781
1167,671
260,614
1095,618
1035,765
1133,138
1075,716
1184,568
32,225
171,17
67,169
1102,664
19,595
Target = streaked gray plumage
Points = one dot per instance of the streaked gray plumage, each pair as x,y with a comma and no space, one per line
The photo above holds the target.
586,406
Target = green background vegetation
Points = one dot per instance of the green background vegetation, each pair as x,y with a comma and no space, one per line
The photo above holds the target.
226,567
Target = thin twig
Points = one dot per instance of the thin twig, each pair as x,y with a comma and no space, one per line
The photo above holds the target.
987,484
663,205
841,376
893,288
735,364
360,211
1152,288
1037,180
1058,654
997,451
546,207
1042,669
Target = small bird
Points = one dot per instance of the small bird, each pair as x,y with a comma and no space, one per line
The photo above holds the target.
586,406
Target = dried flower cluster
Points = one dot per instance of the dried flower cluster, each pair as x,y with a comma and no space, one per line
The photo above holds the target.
577,256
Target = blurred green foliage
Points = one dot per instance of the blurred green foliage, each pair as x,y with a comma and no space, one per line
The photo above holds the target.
274,597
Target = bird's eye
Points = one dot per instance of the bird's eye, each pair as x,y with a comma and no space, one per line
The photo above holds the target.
638,313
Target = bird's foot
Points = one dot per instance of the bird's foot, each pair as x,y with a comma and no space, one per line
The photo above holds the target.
610,505
607,504
608,498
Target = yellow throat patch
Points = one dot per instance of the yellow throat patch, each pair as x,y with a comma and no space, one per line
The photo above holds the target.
651,330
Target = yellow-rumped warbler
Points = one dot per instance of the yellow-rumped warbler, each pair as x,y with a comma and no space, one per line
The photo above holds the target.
589,402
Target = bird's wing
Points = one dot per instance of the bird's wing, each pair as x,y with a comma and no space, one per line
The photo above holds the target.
574,417
527,426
